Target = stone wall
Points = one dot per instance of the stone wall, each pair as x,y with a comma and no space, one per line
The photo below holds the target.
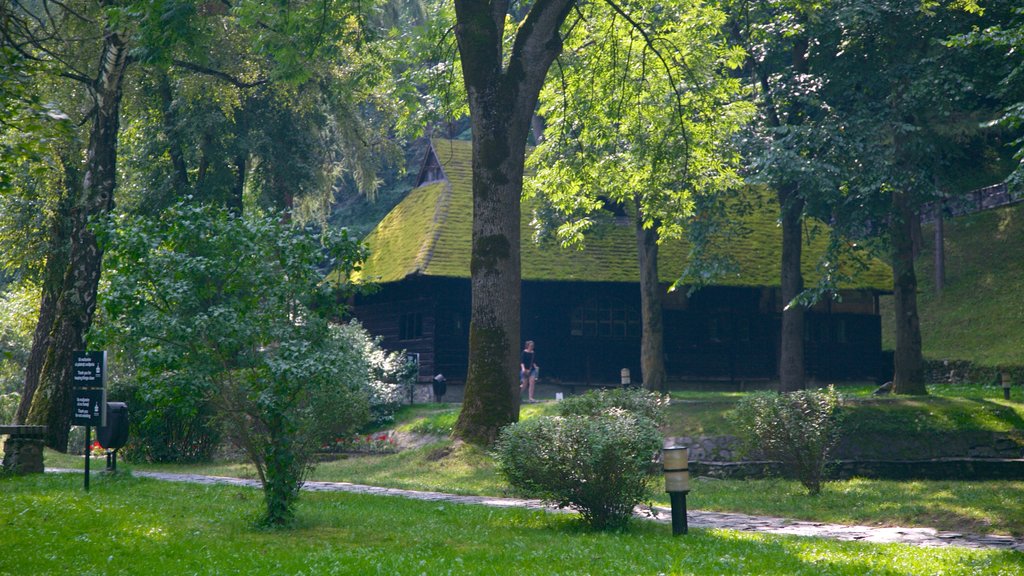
877,447
23,449
981,455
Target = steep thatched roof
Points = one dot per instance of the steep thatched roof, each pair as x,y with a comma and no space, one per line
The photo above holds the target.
429,234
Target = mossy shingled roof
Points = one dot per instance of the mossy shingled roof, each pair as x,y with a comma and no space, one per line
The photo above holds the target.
429,233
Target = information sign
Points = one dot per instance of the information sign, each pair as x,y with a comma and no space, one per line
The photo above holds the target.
89,407
89,369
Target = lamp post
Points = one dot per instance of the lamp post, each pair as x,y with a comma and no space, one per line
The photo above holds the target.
624,377
676,463
1006,385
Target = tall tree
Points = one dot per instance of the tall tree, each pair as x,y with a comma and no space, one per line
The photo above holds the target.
52,34
907,101
785,142
264,44
640,116
503,73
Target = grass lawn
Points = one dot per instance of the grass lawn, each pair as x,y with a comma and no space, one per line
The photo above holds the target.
985,507
139,527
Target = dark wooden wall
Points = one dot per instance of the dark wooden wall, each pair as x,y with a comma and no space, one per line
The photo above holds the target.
588,332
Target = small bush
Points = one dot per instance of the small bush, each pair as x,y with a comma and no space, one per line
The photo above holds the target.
647,404
798,429
597,464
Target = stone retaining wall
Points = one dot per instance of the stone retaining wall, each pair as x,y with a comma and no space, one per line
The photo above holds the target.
989,456
939,469
972,445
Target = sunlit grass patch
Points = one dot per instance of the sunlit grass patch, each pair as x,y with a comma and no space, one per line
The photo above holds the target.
131,526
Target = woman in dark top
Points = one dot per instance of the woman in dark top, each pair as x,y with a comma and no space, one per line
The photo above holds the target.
527,371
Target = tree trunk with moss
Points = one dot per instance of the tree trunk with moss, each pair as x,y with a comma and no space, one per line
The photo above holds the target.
502,99
51,403
652,338
52,281
909,363
791,347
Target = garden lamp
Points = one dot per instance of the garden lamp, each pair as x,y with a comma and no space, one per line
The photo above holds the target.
1006,385
676,463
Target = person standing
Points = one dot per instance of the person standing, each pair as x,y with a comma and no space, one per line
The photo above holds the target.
528,370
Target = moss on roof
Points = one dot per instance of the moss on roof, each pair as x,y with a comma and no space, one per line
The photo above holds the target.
429,233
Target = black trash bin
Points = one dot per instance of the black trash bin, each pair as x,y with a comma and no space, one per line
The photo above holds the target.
114,435
440,387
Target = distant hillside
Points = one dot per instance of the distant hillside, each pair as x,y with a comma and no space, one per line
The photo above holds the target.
980,314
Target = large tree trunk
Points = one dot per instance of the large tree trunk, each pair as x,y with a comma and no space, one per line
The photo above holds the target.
909,377
501,103
791,354
652,336
53,279
51,405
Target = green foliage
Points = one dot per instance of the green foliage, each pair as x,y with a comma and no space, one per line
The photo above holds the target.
18,308
650,405
598,464
1003,41
639,113
390,376
8,404
797,428
173,421
213,308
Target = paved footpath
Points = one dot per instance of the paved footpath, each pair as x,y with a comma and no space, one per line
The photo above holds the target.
695,518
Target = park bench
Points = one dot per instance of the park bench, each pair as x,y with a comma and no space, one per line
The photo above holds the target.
23,450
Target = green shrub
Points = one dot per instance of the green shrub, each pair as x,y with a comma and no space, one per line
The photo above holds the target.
169,422
647,404
230,313
798,429
599,465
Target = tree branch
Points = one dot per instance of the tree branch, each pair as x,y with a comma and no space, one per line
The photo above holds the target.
192,67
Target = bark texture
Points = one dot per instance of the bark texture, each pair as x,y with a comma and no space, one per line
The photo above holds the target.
791,342
51,404
909,376
502,99
652,339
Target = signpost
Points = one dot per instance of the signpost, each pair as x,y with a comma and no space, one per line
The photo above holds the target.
89,395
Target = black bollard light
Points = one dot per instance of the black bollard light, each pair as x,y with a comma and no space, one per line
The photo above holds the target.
676,463
1006,385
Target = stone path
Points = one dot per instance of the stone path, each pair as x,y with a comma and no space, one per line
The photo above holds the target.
928,537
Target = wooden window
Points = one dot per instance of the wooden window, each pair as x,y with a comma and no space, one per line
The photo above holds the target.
410,326
605,318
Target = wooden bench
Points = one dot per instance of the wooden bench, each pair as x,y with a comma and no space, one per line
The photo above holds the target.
23,450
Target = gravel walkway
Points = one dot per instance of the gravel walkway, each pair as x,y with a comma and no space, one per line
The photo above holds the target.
928,537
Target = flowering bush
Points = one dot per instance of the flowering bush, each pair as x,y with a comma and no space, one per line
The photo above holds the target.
95,450
379,443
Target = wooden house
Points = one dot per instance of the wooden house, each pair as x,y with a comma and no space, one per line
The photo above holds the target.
582,308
